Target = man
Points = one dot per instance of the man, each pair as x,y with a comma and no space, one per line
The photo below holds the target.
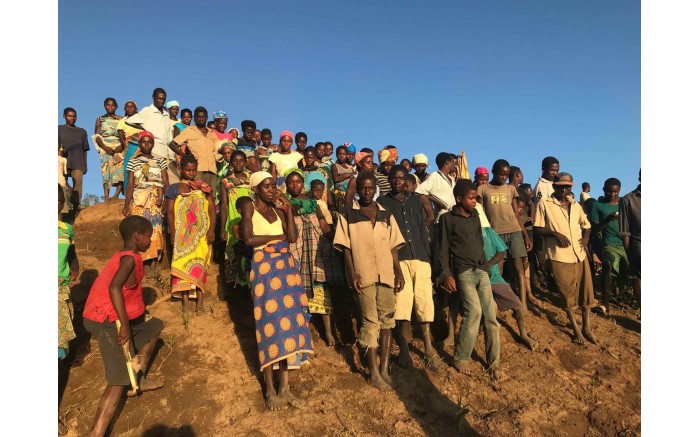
155,118
73,144
631,234
201,142
565,229
439,186
414,259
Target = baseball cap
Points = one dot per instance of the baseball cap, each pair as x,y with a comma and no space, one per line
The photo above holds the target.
563,178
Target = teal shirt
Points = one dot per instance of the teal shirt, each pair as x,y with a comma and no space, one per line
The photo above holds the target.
599,211
492,245
66,236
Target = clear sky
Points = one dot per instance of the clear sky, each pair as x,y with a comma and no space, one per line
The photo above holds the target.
508,79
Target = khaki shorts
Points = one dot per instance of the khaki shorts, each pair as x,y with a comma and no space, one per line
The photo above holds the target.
575,283
417,293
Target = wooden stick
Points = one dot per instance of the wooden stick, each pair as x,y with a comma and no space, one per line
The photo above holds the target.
129,364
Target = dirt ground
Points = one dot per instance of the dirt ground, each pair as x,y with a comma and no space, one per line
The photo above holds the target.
214,388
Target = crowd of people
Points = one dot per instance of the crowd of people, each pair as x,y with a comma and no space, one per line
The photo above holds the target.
328,231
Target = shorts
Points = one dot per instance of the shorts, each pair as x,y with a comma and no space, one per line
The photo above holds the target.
617,258
142,331
505,297
575,283
417,292
377,306
515,243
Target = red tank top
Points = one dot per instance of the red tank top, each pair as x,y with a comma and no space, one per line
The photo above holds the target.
99,307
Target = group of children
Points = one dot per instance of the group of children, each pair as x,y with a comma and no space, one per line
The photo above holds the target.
304,232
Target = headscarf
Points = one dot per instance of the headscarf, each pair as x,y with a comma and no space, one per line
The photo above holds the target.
420,158
359,156
351,147
287,133
172,103
219,115
227,144
145,133
388,155
480,171
258,177
237,132
293,170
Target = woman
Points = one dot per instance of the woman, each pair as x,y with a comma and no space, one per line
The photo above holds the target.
279,300
364,163
111,157
313,250
147,181
284,159
128,137
234,186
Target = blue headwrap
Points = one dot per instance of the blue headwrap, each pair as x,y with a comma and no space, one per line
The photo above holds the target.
220,114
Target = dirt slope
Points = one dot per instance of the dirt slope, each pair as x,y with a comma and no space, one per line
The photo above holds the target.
213,386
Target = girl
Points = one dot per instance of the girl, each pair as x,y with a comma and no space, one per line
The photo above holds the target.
147,181
312,170
191,221
342,171
279,300
110,148
284,159
225,151
233,187
314,231
128,136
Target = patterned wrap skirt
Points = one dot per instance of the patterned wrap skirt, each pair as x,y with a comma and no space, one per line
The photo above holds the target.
279,306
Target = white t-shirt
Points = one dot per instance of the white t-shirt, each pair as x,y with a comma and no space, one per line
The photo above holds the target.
441,186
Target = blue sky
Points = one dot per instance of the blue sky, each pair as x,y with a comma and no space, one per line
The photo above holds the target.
509,79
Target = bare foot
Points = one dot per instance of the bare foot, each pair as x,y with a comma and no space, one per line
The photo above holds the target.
579,340
287,396
274,402
379,383
330,341
435,363
496,374
589,335
529,342
448,342
405,359
461,366
385,376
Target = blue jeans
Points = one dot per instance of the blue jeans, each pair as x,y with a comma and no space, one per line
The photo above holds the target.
476,300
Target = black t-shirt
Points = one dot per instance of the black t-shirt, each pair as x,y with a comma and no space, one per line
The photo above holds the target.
74,141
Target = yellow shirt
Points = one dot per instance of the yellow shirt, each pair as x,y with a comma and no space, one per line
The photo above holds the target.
550,214
203,147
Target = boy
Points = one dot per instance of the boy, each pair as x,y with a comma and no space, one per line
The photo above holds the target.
115,295
585,193
565,231
543,187
604,218
460,254
501,207
373,271
414,259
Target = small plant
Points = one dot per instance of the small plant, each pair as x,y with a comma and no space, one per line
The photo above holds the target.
462,423
169,341
186,320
